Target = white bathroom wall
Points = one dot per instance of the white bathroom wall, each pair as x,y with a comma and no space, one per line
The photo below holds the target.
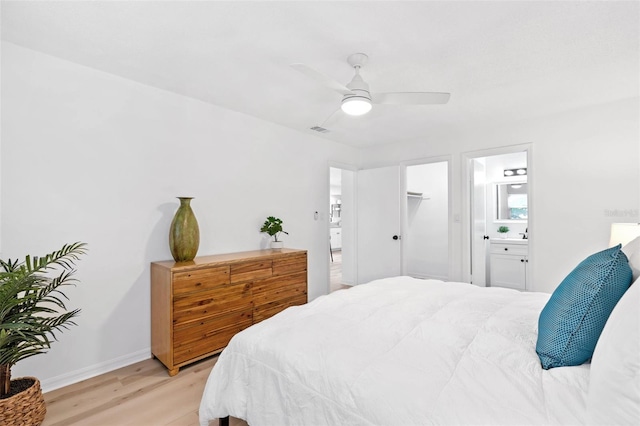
585,176
88,156
427,236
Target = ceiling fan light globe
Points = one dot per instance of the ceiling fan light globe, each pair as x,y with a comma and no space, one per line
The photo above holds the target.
356,105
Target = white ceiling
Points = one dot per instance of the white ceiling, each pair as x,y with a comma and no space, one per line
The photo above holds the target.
502,61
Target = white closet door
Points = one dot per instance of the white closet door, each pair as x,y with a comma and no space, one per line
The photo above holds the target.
379,245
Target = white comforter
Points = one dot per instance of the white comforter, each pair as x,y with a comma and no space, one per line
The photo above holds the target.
398,351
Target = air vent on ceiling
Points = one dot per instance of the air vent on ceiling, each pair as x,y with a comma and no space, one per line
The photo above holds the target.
320,129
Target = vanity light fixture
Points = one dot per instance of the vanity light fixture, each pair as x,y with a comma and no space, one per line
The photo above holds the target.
520,172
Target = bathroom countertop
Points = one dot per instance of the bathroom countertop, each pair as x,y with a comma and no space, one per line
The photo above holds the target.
510,240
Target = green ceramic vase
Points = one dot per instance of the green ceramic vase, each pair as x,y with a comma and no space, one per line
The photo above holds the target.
184,235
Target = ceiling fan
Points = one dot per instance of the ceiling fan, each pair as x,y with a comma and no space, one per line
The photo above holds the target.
357,98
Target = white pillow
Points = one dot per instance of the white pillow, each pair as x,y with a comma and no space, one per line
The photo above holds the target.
614,386
632,251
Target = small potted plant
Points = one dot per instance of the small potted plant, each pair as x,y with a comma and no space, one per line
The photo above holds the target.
503,230
273,227
31,309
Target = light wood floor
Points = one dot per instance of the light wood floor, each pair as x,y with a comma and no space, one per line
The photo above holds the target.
138,395
143,394
335,276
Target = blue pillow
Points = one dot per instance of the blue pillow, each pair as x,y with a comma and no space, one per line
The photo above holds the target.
572,320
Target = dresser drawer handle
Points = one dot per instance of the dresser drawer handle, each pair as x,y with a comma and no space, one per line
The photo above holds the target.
506,249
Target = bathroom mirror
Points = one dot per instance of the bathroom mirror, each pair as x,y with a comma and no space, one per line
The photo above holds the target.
511,201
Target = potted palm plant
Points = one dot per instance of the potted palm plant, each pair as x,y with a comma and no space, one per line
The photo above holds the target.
273,227
32,309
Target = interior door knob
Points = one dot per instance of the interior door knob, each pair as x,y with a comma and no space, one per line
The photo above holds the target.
396,237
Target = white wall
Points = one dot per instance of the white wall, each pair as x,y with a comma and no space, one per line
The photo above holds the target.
88,156
585,175
427,244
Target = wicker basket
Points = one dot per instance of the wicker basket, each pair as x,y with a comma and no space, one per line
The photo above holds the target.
24,409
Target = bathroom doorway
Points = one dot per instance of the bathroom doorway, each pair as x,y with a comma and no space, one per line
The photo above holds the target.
342,242
497,197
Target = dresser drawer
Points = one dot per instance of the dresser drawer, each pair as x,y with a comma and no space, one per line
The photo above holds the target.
249,271
199,279
191,332
279,287
290,264
506,248
207,304
193,342
268,310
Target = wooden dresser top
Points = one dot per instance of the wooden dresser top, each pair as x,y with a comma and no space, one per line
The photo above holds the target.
228,258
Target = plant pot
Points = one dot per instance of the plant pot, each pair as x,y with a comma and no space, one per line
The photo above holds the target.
504,235
277,245
26,408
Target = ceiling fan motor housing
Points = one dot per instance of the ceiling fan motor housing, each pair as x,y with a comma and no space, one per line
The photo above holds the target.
358,102
359,87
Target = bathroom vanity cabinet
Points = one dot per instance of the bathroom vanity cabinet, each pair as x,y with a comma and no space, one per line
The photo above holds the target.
509,261
336,238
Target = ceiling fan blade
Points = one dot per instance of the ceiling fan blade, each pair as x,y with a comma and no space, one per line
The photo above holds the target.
322,79
410,98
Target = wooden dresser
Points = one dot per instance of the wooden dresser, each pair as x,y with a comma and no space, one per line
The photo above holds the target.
198,306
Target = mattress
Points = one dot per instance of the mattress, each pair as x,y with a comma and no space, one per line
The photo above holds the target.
397,351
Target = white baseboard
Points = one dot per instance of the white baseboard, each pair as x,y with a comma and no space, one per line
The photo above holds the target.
94,370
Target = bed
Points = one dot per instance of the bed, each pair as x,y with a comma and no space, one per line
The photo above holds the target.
406,351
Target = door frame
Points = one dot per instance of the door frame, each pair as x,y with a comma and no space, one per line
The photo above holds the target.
467,157
404,225
354,169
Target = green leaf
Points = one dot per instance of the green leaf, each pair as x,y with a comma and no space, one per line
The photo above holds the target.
32,303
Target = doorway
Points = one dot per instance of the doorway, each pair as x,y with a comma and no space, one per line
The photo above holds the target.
493,177
426,227
342,265
404,220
